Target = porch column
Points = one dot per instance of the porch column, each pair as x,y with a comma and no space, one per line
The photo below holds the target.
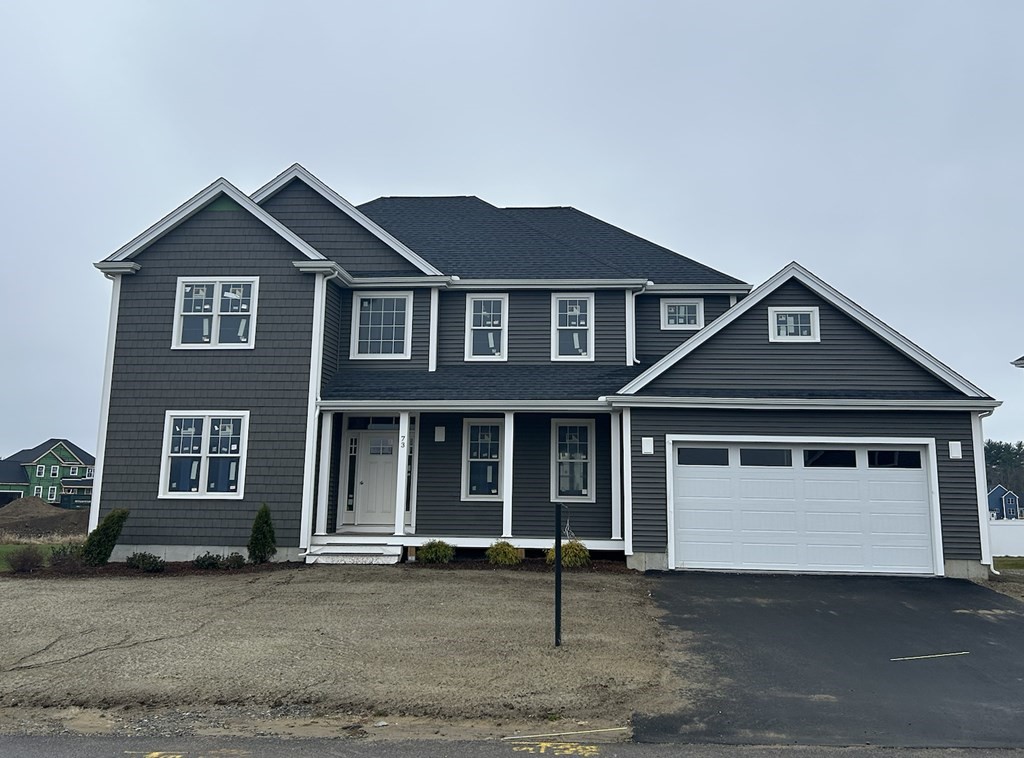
402,472
323,485
616,476
506,474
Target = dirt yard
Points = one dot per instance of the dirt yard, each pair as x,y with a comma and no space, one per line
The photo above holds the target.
325,649
33,517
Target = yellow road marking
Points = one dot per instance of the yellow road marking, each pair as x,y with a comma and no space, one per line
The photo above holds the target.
556,748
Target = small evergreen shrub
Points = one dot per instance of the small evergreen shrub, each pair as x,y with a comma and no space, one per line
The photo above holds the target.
501,553
100,543
574,554
234,561
262,542
435,551
26,559
66,557
208,561
147,562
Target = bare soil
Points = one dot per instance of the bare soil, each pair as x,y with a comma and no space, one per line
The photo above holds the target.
33,517
1009,582
345,650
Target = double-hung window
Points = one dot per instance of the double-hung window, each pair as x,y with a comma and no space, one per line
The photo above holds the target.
37,491
73,471
381,326
51,494
204,454
481,459
216,313
572,327
487,327
793,325
677,313
54,470
89,473
572,460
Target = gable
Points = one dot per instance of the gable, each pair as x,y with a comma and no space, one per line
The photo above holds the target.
849,361
64,455
334,233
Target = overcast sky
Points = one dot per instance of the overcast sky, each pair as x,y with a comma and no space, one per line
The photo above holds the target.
877,143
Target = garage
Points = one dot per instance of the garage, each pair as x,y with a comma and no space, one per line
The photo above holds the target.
804,506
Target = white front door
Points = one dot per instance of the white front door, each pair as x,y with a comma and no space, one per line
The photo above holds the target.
376,470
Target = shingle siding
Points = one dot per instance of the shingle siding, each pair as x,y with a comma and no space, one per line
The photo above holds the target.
958,497
653,343
270,381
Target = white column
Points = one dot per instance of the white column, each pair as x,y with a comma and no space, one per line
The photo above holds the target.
323,486
414,479
627,481
630,328
978,450
506,474
616,476
402,472
108,373
316,357
432,353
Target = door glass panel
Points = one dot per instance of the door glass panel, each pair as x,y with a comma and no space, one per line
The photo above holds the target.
830,459
381,446
894,458
765,456
703,456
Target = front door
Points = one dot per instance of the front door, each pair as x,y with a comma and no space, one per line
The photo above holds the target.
376,470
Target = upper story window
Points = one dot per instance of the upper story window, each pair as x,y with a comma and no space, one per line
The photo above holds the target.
572,460
381,325
487,327
216,313
54,470
793,325
682,314
41,470
89,473
481,459
204,454
73,471
572,327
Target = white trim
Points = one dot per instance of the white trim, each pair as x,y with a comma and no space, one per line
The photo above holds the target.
401,472
37,491
547,284
323,485
197,203
978,451
630,328
296,171
165,455
316,357
507,462
812,310
667,301
591,461
108,373
215,314
627,480
500,496
432,349
415,440
53,472
591,319
732,300
938,563
40,470
51,494
409,540
616,433
565,406
468,353
768,403
827,293
353,344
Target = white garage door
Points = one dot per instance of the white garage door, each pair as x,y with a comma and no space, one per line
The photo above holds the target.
802,508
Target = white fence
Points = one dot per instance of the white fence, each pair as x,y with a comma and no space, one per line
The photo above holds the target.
1006,537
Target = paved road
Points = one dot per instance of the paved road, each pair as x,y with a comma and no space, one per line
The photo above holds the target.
809,660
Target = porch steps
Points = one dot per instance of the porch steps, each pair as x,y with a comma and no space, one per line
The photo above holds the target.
356,554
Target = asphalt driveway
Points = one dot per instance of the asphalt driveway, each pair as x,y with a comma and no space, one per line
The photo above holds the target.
809,660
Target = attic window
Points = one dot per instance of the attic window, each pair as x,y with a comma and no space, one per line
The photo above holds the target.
793,325
216,313
682,314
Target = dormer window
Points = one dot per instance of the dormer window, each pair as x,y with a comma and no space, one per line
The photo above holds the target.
216,314
682,314
487,327
381,326
572,327
793,325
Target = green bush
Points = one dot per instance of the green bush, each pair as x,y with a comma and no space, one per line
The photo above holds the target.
234,561
147,562
502,553
100,542
574,554
26,559
208,561
66,557
262,542
435,551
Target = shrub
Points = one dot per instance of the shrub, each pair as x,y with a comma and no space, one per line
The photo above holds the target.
66,557
26,559
502,553
234,561
147,562
262,542
574,554
100,543
209,561
435,551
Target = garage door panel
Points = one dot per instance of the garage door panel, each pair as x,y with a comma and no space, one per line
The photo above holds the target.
832,489
902,558
709,554
767,489
832,557
710,487
706,519
769,521
899,523
771,555
895,491
835,522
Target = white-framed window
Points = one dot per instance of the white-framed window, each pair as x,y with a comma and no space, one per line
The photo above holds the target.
37,491
481,459
51,494
204,454
572,326
54,470
215,313
41,470
89,473
73,471
381,326
679,313
572,460
793,325
486,327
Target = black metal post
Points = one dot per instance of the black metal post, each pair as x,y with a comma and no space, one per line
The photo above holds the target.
558,574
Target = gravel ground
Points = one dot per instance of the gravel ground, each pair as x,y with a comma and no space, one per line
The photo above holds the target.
331,648
1009,582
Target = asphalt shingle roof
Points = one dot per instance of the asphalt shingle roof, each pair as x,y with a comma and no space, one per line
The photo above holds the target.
12,472
32,453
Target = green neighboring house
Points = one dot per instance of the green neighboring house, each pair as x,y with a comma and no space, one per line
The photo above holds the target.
58,471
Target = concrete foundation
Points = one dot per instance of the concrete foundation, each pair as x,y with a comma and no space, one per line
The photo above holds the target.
973,570
647,561
179,553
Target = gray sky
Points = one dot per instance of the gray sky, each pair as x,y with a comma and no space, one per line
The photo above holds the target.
877,143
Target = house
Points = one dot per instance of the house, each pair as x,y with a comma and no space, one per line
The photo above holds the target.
417,368
55,471
1003,504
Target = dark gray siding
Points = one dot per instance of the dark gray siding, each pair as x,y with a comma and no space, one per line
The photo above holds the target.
332,332
271,381
529,323
419,358
958,497
333,233
848,360
652,343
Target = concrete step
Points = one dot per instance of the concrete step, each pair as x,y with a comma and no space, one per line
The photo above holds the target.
355,554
